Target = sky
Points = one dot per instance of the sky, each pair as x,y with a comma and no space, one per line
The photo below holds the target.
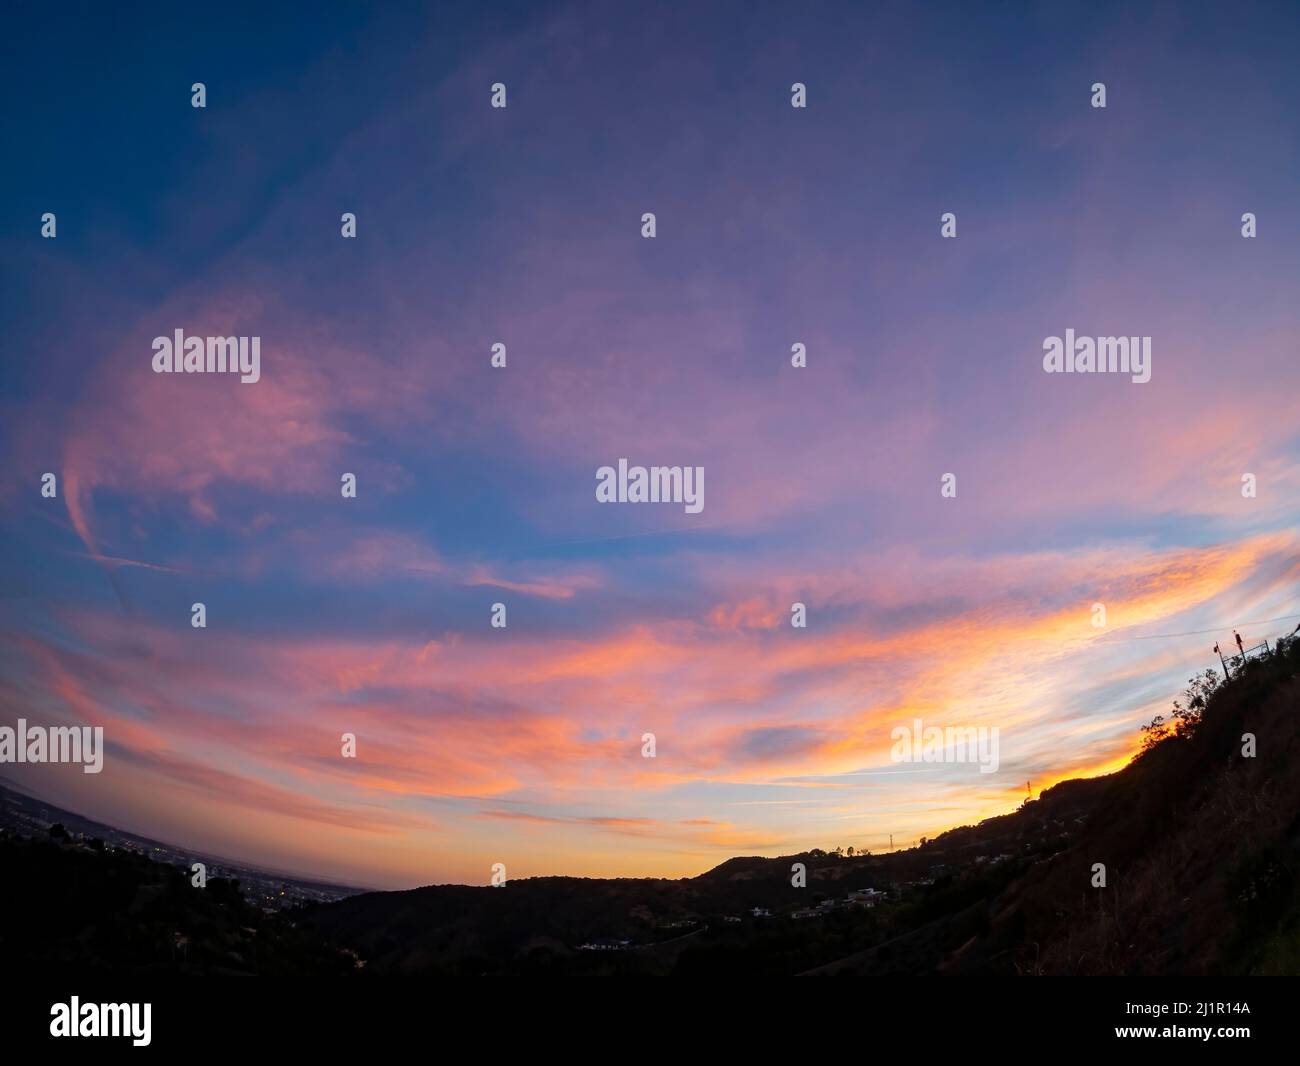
522,225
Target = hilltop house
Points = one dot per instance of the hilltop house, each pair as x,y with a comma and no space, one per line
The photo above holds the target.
606,945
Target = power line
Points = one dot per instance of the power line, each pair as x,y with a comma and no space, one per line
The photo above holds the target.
1217,629
1112,637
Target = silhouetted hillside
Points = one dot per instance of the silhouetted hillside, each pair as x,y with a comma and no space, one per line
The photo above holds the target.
79,907
1199,846
1199,843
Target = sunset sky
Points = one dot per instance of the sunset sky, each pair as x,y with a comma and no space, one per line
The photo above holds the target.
476,485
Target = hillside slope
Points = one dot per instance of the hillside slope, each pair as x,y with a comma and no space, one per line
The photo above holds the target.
1199,844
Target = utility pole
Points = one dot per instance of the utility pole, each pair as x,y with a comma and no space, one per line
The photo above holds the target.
1224,661
891,841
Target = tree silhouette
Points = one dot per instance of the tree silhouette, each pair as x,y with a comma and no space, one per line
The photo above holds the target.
1186,717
